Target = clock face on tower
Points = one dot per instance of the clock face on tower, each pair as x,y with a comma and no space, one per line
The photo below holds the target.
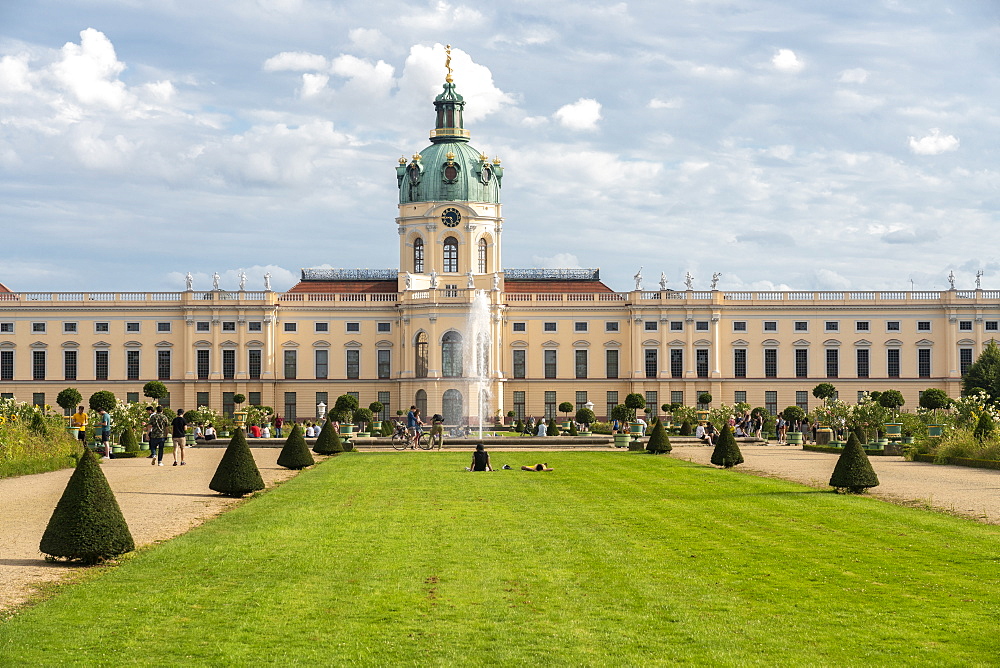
451,217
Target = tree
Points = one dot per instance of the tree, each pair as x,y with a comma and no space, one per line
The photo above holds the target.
934,398
853,472
984,374
824,391
87,524
69,398
102,400
376,407
155,390
984,426
343,408
705,398
295,453
659,441
727,453
586,417
573,431
328,442
634,402
793,414
363,415
565,408
237,473
891,399
621,412
238,399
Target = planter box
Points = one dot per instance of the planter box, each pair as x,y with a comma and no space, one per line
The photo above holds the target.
935,430
824,436
347,429
794,438
622,440
893,430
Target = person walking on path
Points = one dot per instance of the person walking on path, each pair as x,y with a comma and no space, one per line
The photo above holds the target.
279,422
179,433
103,431
157,425
80,422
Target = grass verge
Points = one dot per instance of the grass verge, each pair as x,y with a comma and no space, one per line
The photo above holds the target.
613,559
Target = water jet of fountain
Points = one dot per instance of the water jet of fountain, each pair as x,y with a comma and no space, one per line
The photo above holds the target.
477,355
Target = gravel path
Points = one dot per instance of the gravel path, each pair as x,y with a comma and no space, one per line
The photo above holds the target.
158,503
956,489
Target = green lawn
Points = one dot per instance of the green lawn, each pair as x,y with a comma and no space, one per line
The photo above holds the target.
613,559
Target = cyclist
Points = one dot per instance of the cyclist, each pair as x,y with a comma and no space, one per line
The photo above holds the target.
413,425
437,429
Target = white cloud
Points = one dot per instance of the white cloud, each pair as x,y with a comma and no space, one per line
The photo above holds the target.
423,74
295,61
442,16
580,115
90,71
785,60
368,39
313,84
657,103
933,144
14,74
857,75
365,78
557,261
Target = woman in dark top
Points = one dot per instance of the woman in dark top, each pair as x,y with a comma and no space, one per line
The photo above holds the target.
481,459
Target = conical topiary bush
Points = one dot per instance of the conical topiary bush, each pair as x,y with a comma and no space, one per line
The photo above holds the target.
659,441
129,442
237,474
87,524
553,428
328,442
685,428
859,433
295,454
573,431
853,472
727,453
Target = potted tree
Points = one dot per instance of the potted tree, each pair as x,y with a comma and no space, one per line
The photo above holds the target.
155,390
634,402
893,400
364,417
510,417
933,399
69,399
564,408
586,417
376,407
792,415
705,399
343,412
622,413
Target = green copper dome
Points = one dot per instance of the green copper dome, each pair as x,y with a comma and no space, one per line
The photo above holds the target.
449,170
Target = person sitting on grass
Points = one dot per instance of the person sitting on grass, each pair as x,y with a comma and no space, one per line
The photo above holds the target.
536,467
480,459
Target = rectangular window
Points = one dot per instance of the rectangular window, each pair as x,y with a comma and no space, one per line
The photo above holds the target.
322,364
550,404
253,364
229,326
520,326
7,365
228,405
132,364
163,365
131,397
202,399
611,363
354,364
290,413
963,325
832,326
132,327
964,359
70,328
740,326
801,326
701,361
69,365
451,289
771,401
740,397
202,326
102,327
321,327
651,325
864,362
611,402
101,364
38,365
165,401
892,362
923,325
676,362
291,364
580,363
739,363
611,326
676,325
892,326
163,327
549,327
770,362
770,325
291,327
701,326
832,362
229,363
861,395
384,362
924,362
202,363
255,326
253,398
579,326
38,399
677,397
519,404
385,399
383,327
652,401
801,363
6,328
38,328
862,326
992,325
802,400
519,365
651,363
581,399
550,363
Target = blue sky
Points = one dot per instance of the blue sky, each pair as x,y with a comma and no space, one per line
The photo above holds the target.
798,145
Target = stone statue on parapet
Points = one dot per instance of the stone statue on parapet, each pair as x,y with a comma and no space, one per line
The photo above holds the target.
951,279
407,280
189,282
434,280
689,281
496,282
243,280
638,279
663,281
471,283
267,281
215,280
979,280
715,280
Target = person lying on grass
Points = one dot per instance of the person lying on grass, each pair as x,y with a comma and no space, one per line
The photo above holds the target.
536,467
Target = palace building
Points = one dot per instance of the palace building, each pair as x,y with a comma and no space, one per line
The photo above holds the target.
403,336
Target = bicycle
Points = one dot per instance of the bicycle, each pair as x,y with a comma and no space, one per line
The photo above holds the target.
401,439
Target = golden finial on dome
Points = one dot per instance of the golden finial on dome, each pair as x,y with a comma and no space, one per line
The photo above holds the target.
483,157
447,62
402,159
416,157
496,161
449,156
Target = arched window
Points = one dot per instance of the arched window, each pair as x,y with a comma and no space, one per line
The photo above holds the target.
418,256
421,355
451,255
452,407
451,355
482,256
420,401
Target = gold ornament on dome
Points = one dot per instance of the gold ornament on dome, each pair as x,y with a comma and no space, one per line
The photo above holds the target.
496,161
449,156
447,62
416,157
483,157
402,159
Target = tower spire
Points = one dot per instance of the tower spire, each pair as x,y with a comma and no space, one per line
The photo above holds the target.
447,63
449,126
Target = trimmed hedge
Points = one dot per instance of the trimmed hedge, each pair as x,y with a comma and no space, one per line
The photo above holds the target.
659,441
959,461
328,442
727,454
295,454
237,473
853,472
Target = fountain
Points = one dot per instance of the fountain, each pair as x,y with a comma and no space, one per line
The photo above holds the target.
476,357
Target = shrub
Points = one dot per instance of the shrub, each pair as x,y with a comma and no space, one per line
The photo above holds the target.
634,402
853,472
793,413
295,454
328,442
565,407
387,428
861,434
984,374
585,416
622,413
727,452
601,428
685,428
129,442
704,398
69,398
102,400
87,524
659,442
37,425
891,399
363,415
984,427
519,427
237,473
376,407
573,431
239,398
553,428
934,398
154,389
824,391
